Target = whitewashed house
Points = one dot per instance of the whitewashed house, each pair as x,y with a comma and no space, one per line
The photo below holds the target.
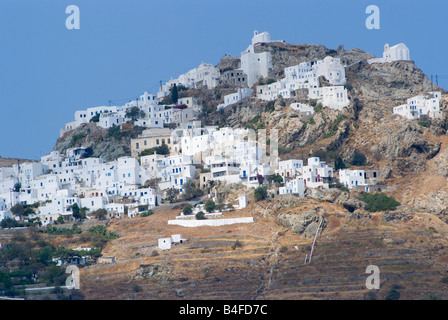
352,178
317,173
235,97
289,168
294,186
418,106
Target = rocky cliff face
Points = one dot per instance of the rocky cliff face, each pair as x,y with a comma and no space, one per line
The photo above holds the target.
103,143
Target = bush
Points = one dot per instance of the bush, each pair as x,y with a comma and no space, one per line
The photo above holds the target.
379,202
318,107
114,132
359,159
237,244
146,213
188,209
210,206
260,193
95,118
270,106
393,295
163,149
9,223
424,123
200,215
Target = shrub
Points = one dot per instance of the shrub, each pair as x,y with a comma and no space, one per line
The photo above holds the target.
146,213
200,215
260,193
424,123
275,178
269,106
339,163
188,209
359,159
379,202
100,214
318,107
237,244
114,132
210,206
393,295
95,118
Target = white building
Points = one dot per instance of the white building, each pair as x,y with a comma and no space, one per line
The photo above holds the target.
399,52
352,178
306,76
235,97
334,97
303,108
256,65
289,168
418,106
294,186
205,75
317,173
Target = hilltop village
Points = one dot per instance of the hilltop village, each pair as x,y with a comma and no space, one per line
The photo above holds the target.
175,149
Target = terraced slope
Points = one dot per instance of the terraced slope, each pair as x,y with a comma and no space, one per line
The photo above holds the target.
269,263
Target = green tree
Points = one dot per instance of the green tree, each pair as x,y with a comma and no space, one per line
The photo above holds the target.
5,281
171,194
134,113
60,220
188,209
95,118
359,159
100,214
18,210
9,223
210,206
200,215
174,94
17,187
339,163
260,193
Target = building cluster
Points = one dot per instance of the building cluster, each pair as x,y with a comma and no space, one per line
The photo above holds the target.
58,182
151,114
305,76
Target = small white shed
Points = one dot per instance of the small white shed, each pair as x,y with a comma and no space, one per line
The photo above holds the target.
242,201
165,243
177,238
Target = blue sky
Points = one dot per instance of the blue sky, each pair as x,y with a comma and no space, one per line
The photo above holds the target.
125,47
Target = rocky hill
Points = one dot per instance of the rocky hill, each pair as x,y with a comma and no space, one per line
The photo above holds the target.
408,244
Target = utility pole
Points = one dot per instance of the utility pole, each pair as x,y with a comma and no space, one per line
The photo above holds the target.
315,236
